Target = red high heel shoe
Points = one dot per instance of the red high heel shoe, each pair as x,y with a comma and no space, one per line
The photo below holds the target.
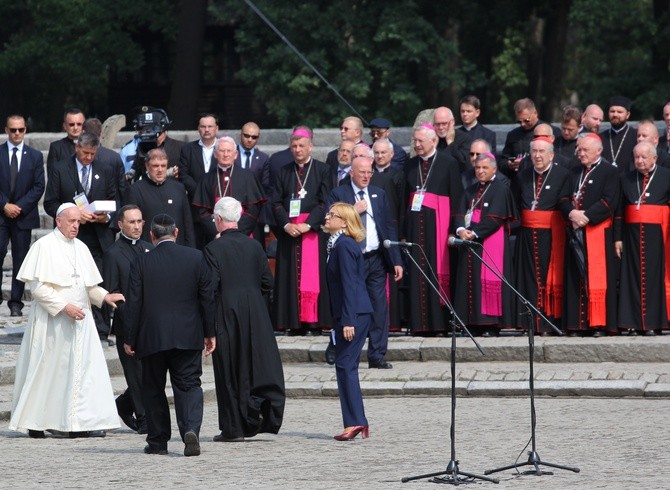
350,434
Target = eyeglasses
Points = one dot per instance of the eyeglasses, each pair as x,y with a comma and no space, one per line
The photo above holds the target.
344,128
330,214
17,130
251,136
378,132
474,154
75,124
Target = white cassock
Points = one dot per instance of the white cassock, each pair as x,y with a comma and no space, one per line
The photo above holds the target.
62,382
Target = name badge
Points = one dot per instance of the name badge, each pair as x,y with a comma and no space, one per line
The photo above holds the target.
468,219
294,208
81,200
417,201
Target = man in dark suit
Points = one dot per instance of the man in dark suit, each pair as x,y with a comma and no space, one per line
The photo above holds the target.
79,179
170,317
21,187
116,266
350,130
62,149
195,161
472,129
377,217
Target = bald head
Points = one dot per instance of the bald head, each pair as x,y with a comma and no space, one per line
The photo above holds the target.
648,132
592,118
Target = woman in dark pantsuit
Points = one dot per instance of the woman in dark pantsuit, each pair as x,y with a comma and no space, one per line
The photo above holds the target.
352,312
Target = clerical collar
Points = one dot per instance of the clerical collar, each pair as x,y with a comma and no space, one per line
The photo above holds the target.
381,169
541,172
157,184
618,130
128,239
589,167
302,165
224,169
471,127
653,169
429,157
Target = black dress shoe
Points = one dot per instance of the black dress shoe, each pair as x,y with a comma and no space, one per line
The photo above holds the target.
330,353
191,444
129,420
490,332
380,365
87,433
142,426
575,334
36,434
649,333
222,438
15,311
599,333
155,450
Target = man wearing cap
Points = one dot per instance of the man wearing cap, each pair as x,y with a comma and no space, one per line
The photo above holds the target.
381,128
301,190
589,293
620,139
543,197
434,188
471,127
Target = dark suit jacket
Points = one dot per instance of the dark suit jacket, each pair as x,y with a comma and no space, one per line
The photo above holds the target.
260,166
61,149
64,184
28,189
192,166
116,266
479,132
170,300
382,214
346,284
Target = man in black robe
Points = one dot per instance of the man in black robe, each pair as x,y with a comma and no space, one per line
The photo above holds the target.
433,190
470,108
620,139
455,143
589,288
484,213
543,197
643,245
566,144
229,180
156,194
298,202
247,367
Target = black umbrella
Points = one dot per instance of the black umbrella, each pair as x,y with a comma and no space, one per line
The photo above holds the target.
579,251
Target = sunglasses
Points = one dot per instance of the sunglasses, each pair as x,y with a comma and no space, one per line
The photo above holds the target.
251,136
474,154
75,124
17,130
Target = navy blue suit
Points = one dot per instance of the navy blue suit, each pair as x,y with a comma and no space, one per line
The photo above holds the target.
376,263
28,190
350,306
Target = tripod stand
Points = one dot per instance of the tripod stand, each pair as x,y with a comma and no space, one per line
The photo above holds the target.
533,456
454,475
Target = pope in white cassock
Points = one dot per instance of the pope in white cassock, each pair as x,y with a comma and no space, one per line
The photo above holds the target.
62,383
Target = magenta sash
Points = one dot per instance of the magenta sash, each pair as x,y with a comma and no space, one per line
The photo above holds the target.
441,206
494,249
308,289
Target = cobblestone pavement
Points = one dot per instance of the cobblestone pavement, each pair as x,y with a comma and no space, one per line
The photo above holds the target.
617,444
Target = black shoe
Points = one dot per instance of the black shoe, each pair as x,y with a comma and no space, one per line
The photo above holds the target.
154,450
575,334
489,332
649,333
129,420
36,434
15,311
142,426
599,333
256,427
87,433
191,444
380,365
222,438
330,353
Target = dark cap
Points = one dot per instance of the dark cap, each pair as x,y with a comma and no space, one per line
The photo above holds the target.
621,101
163,220
380,122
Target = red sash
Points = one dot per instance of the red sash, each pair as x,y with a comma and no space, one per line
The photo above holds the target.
654,214
597,272
494,250
550,297
308,289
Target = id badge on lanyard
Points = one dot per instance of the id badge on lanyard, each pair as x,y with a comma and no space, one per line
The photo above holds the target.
417,201
294,208
468,218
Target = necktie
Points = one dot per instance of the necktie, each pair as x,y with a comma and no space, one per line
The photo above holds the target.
247,162
364,216
84,178
13,170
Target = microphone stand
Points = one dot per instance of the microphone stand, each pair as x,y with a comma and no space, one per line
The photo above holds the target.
533,456
454,476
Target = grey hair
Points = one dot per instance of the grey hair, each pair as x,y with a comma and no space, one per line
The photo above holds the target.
228,209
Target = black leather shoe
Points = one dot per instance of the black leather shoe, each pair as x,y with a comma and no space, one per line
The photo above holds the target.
649,333
380,365
154,450
191,444
15,311
142,426
330,354
36,434
129,420
222,438
490,332
598,333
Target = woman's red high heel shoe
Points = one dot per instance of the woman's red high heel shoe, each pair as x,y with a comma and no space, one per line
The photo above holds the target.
352,432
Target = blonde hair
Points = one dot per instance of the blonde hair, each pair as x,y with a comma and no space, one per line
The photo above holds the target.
354,227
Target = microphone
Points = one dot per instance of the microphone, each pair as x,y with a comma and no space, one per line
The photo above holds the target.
457,242
391,243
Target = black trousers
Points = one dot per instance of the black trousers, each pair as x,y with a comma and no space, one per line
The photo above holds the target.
132,371
185,368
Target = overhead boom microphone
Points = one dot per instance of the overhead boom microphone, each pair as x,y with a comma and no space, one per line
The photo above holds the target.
457,242
391,243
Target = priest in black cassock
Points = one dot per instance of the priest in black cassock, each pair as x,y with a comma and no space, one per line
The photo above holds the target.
155,194
484,214
543,197
247,367
642,245
620,139
232,181
433,184
298,202
589,288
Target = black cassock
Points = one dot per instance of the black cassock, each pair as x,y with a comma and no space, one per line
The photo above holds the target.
440,177
235,182
317,182
247,367
168,197
534,244
495,202
642,292
598,195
